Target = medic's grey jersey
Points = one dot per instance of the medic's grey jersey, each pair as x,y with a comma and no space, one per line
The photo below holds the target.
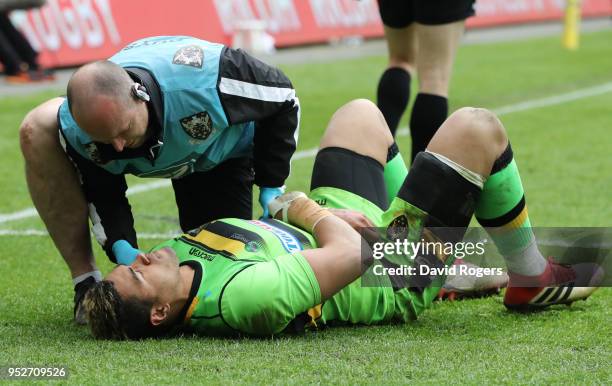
208,103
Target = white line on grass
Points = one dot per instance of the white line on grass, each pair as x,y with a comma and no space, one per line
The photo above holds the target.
555,100
513,108
31,212
136,189
38,232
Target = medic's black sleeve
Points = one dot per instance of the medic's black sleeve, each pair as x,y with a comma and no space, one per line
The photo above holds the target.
109,209
251,90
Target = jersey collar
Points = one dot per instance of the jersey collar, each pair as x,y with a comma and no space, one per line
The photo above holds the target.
192,300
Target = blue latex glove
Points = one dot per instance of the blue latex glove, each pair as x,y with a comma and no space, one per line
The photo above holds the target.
266,195
125,254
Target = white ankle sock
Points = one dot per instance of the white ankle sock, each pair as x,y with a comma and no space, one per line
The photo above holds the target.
528,262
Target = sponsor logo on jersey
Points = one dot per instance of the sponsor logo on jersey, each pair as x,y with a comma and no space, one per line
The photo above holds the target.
321,201
398,229
239,237
198,126
252,247
289,242
196,252
189,56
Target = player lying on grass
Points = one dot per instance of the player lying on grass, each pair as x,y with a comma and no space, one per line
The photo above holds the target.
265,277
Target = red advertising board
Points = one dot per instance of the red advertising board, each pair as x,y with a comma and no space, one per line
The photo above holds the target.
70,32
496,12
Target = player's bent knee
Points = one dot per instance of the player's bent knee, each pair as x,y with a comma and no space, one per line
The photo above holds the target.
490,128
361,104
359,126
359,119
479,126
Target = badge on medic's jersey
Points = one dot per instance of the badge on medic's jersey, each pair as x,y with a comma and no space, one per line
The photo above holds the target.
189,56
93,152
198,126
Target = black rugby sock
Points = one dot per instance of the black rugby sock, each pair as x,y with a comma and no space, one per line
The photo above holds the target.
428,113
436,188
393,95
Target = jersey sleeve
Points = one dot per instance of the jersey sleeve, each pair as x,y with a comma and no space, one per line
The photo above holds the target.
109,209
251,90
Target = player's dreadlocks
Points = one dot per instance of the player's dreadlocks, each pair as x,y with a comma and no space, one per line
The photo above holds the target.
111,317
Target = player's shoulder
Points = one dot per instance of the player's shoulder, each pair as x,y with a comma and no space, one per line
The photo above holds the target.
44,115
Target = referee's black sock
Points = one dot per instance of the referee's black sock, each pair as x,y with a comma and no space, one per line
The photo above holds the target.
393,94
428,113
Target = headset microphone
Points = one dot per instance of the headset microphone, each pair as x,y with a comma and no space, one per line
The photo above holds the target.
140,92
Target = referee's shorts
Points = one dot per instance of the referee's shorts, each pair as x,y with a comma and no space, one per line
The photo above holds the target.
402,13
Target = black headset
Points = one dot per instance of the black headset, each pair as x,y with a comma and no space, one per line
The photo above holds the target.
139,91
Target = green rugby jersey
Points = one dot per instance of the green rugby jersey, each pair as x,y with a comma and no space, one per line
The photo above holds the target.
218,251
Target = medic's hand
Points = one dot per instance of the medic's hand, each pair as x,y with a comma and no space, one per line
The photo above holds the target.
266,195
124,253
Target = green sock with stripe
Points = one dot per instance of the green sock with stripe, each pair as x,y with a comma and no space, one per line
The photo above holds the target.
501,209
395,171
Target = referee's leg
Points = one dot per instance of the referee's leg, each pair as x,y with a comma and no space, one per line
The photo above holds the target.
438,45
393,92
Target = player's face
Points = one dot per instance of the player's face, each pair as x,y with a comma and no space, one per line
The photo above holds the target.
154,276
110,122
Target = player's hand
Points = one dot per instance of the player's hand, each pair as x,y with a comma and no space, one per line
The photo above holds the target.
357,221
266,195
124,253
